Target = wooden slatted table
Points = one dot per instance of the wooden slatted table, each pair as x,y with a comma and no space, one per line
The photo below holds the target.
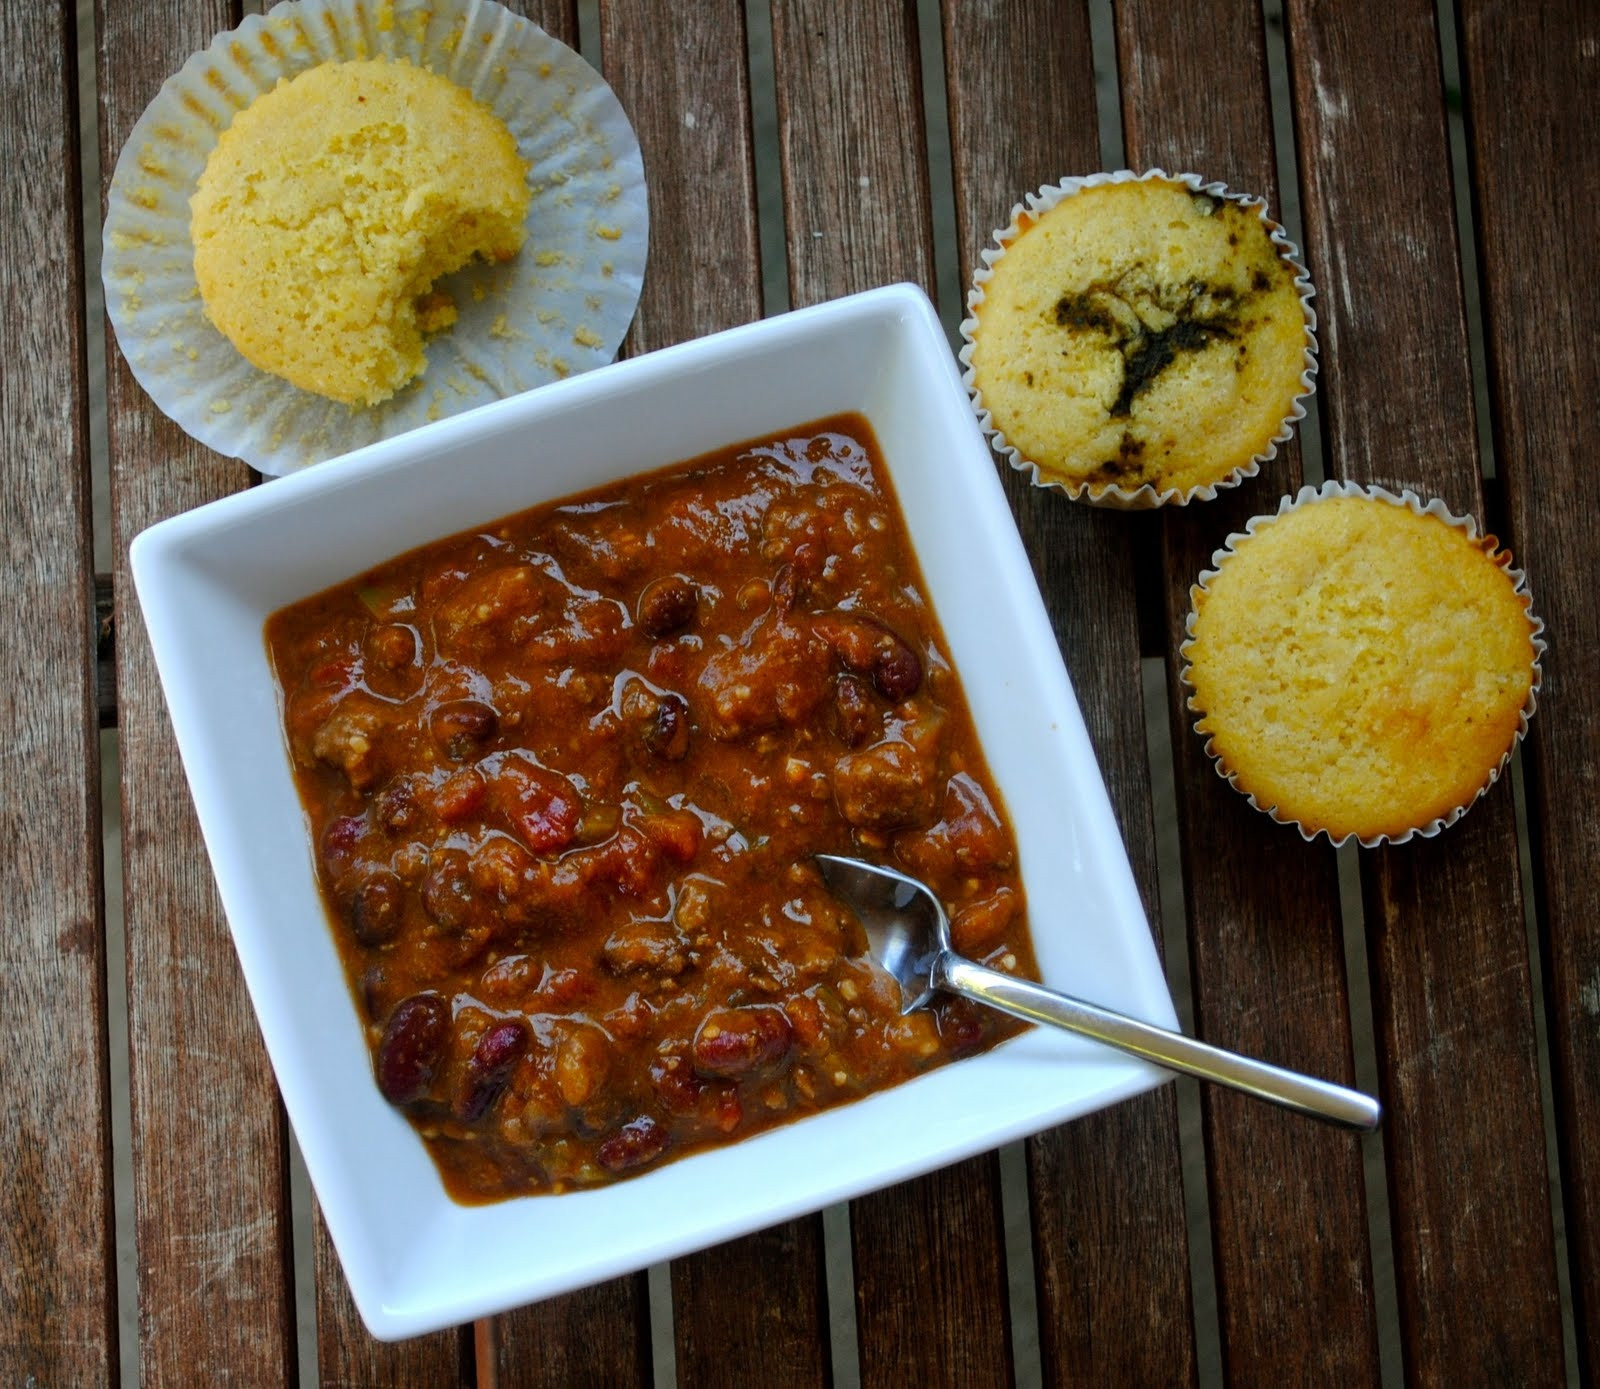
1460,1247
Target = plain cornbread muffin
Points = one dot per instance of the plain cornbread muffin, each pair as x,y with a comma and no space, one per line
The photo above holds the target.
1140,332
1360,665
330,206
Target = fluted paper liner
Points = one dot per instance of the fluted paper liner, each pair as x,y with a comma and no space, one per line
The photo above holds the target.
1407,498
1035,205
560,307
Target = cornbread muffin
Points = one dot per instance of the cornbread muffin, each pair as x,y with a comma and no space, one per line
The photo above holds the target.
1361,665
330,206
1140,332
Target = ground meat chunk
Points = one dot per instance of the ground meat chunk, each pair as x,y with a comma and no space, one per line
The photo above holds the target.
887,786
968,838
491,610
349,740
646,947
775,679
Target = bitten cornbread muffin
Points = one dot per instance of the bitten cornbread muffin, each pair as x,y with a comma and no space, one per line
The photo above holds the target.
329,208
1361,665
1140,332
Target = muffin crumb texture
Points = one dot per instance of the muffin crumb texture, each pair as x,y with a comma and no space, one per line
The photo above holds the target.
1140,333
330,207
1360,668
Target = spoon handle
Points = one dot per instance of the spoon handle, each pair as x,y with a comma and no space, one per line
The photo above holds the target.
1318,1098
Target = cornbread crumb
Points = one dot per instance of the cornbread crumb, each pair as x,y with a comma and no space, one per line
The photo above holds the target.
329,208
1139,333
1359,666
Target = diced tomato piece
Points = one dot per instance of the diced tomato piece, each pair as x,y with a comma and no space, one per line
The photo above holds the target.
460,796
544,808
677,833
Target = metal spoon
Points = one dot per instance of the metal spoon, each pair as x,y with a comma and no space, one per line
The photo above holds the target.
909,934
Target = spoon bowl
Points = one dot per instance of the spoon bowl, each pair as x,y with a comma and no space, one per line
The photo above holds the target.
909,935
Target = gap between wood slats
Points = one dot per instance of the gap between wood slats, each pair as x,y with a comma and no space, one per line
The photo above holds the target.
1357,972
1497,520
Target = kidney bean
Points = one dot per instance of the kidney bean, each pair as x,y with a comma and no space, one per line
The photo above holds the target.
561,989
979,925
855,718
447,890
500,1047
582,1061
509,981
462,726
667,605
377,908
391,646
341,842
960,1025
396,805
676,1082
734,1041
869,647
637,1142
413,1042
897,673
667,733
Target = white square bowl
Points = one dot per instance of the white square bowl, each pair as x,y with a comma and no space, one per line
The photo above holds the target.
207,580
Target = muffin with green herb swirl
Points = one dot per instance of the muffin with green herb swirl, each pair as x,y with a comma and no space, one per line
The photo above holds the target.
1138,340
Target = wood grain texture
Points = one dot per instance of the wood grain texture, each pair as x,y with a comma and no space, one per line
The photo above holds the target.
929,1255
57,1282
1288,1203
208,1133
1467,1175
680,72
1110,1245
754,1311
348,1355
851,146
931,1295
596,1338
1535,146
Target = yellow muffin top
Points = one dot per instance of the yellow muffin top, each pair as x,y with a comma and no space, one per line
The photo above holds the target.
1140,333
330,206
1359,666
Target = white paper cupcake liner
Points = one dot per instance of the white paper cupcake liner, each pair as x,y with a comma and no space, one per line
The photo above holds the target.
560,307
1407,498
1146,496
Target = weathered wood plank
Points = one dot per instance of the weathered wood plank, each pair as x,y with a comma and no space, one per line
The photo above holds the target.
1288,1207
752,1311
596,1338
1110,1244
929,1255
57,1280
758,1302
347,1354
597,1335
1467,1176
679,69
1535,136
208,1137
851,147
